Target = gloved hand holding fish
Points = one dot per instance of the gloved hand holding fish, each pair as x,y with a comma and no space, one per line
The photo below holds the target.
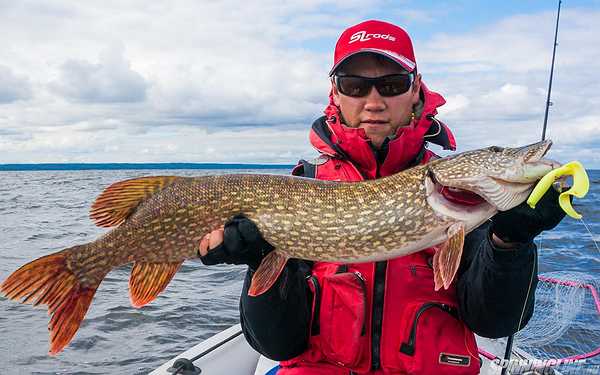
159,221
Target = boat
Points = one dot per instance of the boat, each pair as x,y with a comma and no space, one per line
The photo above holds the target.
574,295
228,353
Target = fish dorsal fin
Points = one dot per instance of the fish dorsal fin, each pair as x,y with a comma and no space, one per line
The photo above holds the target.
148,280
120,199
447,257
267,273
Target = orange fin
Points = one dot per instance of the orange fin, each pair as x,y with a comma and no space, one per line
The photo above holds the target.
447,258
120,199
267,273
48,281
148,280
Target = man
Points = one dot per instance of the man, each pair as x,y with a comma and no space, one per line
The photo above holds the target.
385,317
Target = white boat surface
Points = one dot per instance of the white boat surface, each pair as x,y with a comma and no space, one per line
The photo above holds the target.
228,353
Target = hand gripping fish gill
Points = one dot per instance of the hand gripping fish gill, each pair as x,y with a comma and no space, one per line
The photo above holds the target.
159,222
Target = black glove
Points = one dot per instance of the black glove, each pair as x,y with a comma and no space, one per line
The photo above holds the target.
523,223
242,244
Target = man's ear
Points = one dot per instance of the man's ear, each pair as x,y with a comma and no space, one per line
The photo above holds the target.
416,89
336,94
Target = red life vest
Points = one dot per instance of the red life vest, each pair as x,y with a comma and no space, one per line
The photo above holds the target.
384,317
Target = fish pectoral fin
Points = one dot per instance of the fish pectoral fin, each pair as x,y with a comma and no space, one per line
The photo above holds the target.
148,280
120,199
447,257
267,273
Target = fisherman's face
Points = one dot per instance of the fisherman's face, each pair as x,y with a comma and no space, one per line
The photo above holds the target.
379,116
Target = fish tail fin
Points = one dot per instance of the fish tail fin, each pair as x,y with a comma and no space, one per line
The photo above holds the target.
267,273
49,281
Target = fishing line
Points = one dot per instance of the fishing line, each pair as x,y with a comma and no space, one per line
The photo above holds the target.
535,260
591,234
509,342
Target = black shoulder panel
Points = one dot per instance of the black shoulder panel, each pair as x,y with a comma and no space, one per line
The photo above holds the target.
437,134
305,169
319,126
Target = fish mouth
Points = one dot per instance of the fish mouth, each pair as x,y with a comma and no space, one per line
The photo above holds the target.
534,164
474,206
452,203
502,177
459,196
535,152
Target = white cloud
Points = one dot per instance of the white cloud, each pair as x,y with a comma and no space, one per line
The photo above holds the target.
109,81
13,87
408,16
113,143
455,105
229,81
496,80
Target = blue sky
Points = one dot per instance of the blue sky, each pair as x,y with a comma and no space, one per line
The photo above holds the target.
220,81
425,18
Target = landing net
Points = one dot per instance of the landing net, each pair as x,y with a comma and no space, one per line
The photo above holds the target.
564,332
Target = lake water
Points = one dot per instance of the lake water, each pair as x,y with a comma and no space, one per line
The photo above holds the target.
45,211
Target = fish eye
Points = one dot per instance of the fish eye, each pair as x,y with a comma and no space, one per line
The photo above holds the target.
495,149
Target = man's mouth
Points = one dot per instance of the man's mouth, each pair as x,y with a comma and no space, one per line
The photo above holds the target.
375,122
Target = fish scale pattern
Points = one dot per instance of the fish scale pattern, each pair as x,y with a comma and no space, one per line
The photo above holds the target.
159,221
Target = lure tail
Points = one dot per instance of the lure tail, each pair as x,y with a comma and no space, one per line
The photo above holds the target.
49,281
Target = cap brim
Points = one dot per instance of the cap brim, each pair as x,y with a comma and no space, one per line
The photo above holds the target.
399,59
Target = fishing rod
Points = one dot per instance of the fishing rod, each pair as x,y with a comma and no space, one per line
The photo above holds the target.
509,341
548,102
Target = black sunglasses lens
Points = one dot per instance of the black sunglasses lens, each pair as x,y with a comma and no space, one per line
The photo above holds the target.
393,85
390,85
353,86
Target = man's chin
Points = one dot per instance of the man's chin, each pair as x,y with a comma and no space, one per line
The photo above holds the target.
377,130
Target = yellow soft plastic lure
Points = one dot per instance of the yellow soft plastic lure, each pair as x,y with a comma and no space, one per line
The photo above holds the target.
581,185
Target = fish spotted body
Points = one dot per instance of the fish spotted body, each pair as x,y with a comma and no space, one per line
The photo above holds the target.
159,222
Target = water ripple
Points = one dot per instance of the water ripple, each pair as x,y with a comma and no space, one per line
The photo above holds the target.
46,211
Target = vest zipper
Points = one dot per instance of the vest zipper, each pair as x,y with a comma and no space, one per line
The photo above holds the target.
413,270
409,347
315,328
362,282
377,316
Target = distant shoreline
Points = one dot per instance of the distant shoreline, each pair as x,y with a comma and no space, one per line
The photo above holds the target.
125,166
148,166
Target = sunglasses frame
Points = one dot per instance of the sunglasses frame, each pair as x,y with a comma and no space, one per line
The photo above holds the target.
373,82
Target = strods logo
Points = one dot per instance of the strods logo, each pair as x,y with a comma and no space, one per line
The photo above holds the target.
361,36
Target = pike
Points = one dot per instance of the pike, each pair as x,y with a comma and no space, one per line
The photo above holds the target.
159,222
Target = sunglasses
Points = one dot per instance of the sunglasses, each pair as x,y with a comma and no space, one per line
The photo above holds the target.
389,85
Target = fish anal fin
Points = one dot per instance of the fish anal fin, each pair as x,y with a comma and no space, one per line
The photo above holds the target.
148,280
120,199
447,257
267,273
49,281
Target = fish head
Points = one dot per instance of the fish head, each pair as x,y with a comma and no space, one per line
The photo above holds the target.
487,180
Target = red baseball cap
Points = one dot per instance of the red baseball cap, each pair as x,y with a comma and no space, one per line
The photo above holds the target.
378,37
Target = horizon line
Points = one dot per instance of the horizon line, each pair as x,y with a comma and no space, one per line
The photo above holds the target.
125,166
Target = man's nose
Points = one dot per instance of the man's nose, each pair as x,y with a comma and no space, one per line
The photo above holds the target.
374,102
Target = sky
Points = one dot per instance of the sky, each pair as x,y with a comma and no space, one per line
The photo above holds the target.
230,81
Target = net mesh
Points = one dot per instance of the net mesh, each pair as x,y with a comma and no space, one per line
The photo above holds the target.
565,324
